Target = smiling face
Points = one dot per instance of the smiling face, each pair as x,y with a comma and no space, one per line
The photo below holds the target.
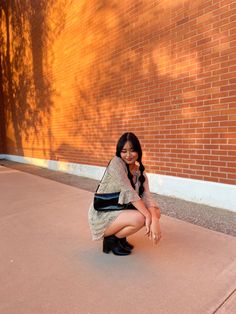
127,154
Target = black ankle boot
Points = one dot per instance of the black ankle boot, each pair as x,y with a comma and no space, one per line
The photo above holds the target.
112,243
126,245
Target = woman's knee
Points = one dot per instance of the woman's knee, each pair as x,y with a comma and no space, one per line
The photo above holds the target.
139,220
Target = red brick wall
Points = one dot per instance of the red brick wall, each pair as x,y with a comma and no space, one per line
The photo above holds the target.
2,124
80,73
2,115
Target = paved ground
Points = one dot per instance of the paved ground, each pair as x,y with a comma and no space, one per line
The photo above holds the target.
209,217
49,265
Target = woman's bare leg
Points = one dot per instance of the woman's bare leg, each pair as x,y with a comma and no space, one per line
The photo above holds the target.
127,223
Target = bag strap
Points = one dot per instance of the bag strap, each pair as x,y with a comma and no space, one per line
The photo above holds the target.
102,177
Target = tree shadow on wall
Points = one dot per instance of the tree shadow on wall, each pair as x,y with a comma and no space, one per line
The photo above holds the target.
26,73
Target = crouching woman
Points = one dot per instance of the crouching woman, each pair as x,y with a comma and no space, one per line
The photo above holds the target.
125,174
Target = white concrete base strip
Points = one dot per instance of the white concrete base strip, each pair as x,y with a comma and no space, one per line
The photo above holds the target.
204,192
93,172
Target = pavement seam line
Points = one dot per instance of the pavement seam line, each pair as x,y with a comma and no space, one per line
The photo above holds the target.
222,303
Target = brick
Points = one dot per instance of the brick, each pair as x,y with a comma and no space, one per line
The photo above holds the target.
218,175
227,181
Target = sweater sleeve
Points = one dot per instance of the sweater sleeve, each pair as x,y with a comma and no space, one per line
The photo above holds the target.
117,169
147,196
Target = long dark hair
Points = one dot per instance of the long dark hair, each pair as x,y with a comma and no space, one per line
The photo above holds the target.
132,138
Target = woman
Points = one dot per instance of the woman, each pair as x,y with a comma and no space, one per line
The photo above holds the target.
125,174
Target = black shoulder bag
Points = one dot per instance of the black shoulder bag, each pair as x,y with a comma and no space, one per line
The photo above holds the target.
105,202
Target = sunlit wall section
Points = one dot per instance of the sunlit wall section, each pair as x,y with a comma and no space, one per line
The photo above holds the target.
77,74
89,57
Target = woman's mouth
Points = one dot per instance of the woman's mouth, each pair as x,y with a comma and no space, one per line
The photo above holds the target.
129,159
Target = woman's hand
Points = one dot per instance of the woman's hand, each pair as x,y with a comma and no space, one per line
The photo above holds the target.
147,225
155,231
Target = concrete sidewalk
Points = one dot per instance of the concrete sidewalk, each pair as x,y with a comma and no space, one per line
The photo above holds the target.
49,265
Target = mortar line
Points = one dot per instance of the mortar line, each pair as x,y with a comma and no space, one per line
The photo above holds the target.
222,303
